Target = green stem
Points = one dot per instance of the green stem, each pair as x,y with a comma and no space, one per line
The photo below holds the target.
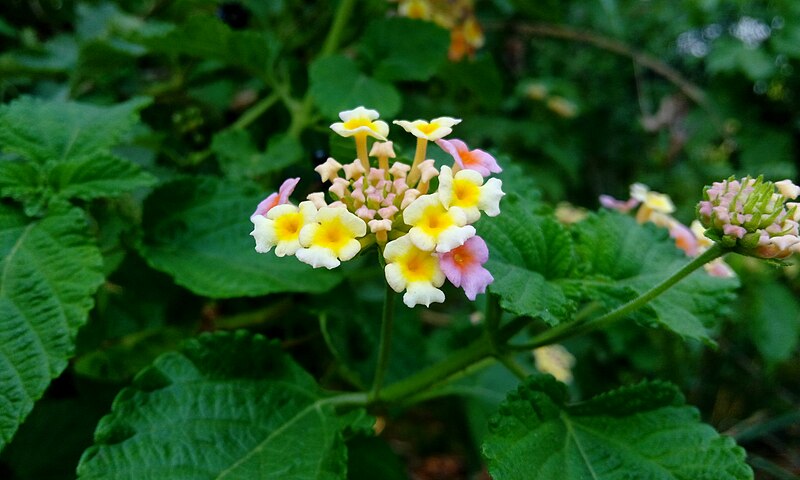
340,19
450,366
572,329
512,366
301,111
492,318
255,111
385,343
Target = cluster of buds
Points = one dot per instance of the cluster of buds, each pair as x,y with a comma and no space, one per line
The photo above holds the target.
466,35
752,216
657,208
425,235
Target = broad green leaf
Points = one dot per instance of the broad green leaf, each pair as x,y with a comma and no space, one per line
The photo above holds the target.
625,259
405,49
48,274
643,431
526,252
62,151
336,84
774,327
208,37
228,406
239,158
43,131
197,230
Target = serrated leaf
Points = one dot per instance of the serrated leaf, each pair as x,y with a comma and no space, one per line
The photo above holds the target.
336,84
526,252
197,230
625,259
43,131
644,431
229,406
48,274
63,151
101,175
405,49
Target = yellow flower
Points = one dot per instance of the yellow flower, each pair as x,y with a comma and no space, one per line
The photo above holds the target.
467,191
414,270
331,238
433,130
435,227
362,121
281,227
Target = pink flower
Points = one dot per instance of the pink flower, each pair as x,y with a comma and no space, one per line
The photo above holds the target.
463,266
477,159
278,198
612,203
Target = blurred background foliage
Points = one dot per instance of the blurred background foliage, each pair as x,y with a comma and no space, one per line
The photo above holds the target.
577,98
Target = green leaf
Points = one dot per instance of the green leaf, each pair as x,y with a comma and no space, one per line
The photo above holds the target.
208,37
228,406
336,84
197,230
526,252
405,49
54,131
774,326
732,55
642,431
63,151
625,259
48,274
239,158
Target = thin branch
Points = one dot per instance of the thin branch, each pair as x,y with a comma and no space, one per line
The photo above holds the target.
688,88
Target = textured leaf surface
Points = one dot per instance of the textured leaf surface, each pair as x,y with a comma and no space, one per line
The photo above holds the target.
405,49
644,432
48,274
63,151
337,84
197,230
229,406
526,252
55,131
628,259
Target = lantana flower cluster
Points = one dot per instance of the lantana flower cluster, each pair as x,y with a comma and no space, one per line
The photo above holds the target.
752,216
420,217
466,34
657,208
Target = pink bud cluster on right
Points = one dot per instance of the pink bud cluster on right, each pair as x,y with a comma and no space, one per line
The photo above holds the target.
752,216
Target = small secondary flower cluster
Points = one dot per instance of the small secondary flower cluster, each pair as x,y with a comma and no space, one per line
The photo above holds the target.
750,216
466,35
425,236
657,208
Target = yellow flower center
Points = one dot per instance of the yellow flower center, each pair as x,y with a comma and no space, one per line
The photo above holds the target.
354,123
287,227
418,265
465,193
435,220
332,235
428,128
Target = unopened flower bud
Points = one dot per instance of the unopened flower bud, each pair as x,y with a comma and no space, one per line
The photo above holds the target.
748,215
